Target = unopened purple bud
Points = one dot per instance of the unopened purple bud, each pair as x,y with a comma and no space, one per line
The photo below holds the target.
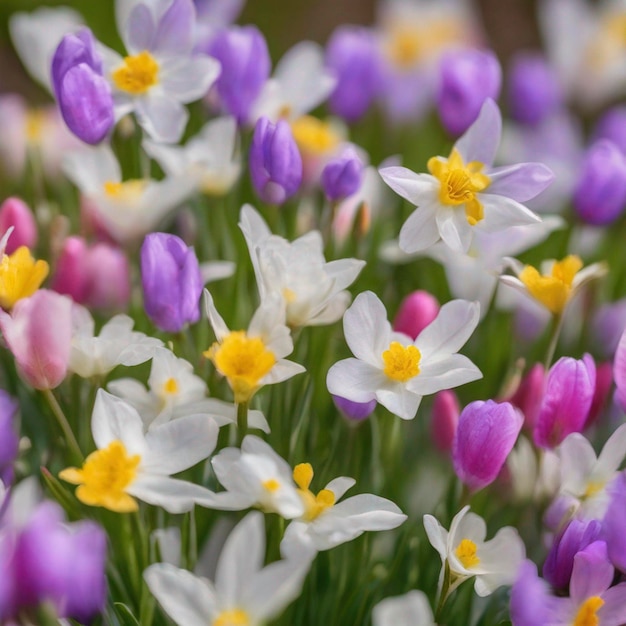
9,441
614,523
242,52
445,419
416,312
534,92
354,411
341,177
15,212
529,395
82,92
600,196
352,54
612,126
569,392
486,433
468,78
275,162
171,281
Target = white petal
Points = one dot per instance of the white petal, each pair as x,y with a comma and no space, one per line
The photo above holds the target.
502,213
454,228
366,328
418,189
90,168
340,485
162,117
480,141
450,372
255,445
217,323
189,79
175,496
411,609
420,231
354,380
282,370
400,401
578,459
613,452
437,535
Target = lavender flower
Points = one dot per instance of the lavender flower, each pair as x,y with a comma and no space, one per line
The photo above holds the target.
342,176
9,441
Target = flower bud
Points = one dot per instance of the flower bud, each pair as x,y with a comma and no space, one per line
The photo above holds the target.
416,312
600,196
486,433
245,60
342,176
619,372
275,162
613,523
9,441
604,383
468,78
82,92
612,126
445,419
15,212
608,325
529,395
354,411
171,281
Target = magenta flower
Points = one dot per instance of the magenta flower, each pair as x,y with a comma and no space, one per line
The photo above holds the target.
619,372
416,311
445,419
15,212
9,441
614,522
529,395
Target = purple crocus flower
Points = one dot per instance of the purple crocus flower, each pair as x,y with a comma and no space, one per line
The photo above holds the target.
9,441
612,126
532,604
614,522
171,281
566,402
275,162
468,78
342,176
246,64
619,371
352,54
485,435
82,92
354,411
600,196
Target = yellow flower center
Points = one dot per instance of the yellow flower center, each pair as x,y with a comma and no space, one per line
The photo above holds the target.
137,74
459,183
232,617
466,553
314,136
20,276
35,122
314,505
104,478
129,191
271,485
588,613
243,360
594,487
401,362
553,290
170,387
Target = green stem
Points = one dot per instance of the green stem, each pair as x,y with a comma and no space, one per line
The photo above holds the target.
557,323
70,439
443,594
242,421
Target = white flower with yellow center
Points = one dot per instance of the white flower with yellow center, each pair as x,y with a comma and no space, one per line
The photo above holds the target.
411,609
395,370
327,523
466,554
312,289
244,592
463,192
128,464
249,359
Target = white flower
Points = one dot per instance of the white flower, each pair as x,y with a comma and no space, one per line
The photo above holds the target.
411,609
211,156
326,523
244,592
312,289
174,391
127,209
395,370
117,344
464,550
253,358
254,476
129,464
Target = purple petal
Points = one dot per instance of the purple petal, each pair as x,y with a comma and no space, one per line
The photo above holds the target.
520,182
175,29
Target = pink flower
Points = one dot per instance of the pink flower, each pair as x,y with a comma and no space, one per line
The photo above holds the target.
417,310
15,212
445,419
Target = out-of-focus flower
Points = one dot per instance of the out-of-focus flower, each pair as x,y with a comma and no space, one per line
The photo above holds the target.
464,192
16,213
395,370
528,396
20,274
609,322
619,371
354,411
613,522
411,609
612,126
129,464
9,441
212,17
416,311
445,419
601,393
41,349
342,176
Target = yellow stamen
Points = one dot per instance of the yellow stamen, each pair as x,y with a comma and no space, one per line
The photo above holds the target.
232,617
125,192
588,613
272,485
303,475
401,362
35,122
20,276
243,360
553,290
314,136
137,74
104,478
466,553
170,386
314,505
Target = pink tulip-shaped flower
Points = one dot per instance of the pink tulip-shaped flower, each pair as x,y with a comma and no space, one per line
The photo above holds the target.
445,419
527,397
416,311
15,212
38,332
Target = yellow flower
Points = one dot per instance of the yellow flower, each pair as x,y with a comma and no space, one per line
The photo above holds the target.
20,276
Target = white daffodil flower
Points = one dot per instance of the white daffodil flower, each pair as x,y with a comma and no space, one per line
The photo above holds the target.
395,370
326,523
312,289
254,476
252,358
211,156
129,464
244,592
174,391
117,344
466,553
129,209
411,609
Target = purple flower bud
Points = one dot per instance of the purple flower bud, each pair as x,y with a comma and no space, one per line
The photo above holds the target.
608,325
15,212
468,78
529,395
242,52
600,196
82,92
612,126
534,92
275,162
614,523
445,419
354,411
569,391
486,433
171,281
416,312
9,441
342,176
352,54
576,536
